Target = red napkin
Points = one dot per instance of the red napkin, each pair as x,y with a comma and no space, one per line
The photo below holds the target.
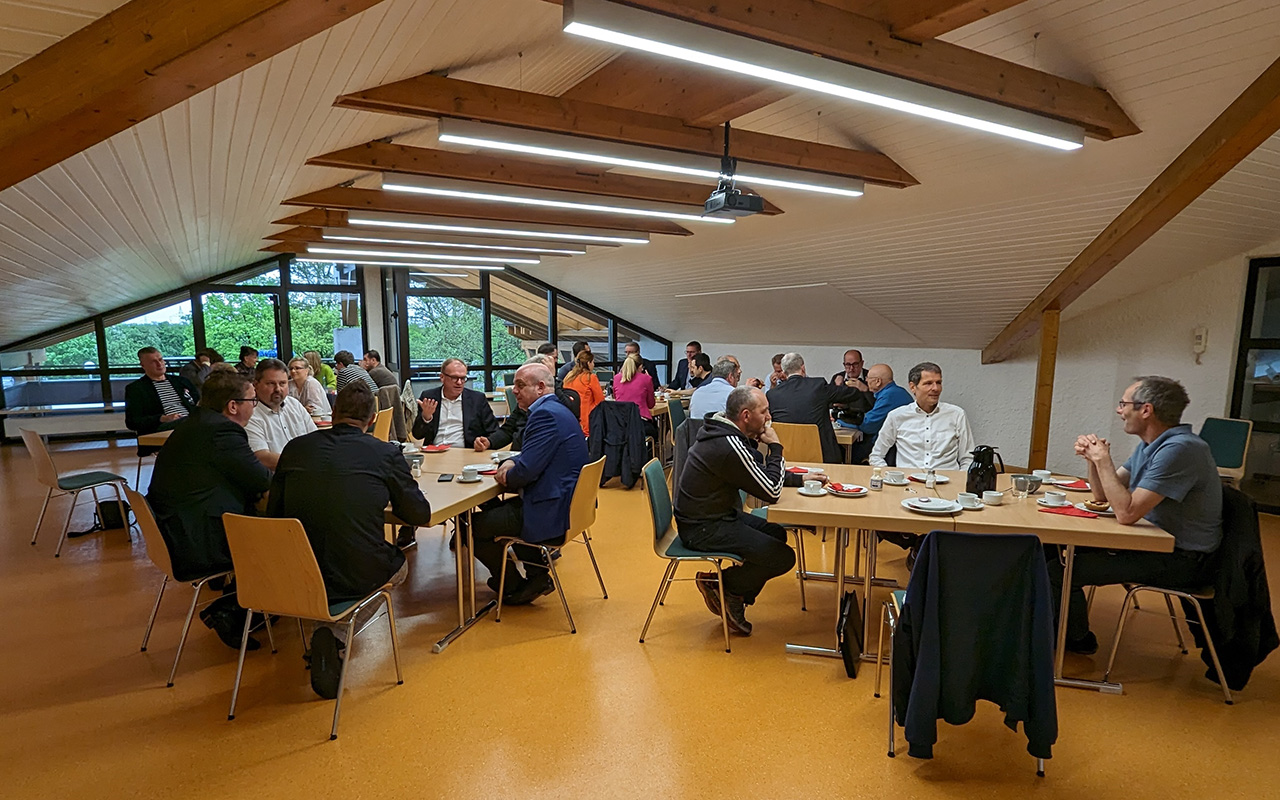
797,470
847,487
436,448
1078,483
1070,511
494,471
914,478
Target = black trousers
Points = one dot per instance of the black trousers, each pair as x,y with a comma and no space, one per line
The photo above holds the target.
498,518
1181,569
761,544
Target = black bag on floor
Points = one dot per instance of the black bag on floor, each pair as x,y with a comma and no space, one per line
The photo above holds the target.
107,516
849,633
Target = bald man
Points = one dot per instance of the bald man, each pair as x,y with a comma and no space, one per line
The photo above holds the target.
889,396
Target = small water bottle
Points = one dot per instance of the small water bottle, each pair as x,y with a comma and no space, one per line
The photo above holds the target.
930,479
416,470
877,482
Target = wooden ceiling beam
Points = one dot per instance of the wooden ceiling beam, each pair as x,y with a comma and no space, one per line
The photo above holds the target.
432,96
405,251
386,157
816,27
1249,121
919,20
425,238
315,218
138,60
352,199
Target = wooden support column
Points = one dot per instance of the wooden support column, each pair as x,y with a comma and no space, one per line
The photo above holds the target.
1042,407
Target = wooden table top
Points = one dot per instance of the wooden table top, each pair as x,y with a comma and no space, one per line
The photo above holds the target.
156,439
453,460
883,511
448,500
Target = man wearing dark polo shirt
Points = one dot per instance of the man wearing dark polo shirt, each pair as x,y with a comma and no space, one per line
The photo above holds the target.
1170,480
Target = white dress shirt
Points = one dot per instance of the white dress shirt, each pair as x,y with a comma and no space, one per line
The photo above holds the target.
450,430
272,430
940,440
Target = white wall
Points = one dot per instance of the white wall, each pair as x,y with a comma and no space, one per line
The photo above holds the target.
1099,352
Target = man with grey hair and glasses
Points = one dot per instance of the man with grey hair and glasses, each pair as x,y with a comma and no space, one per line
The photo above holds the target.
1170,480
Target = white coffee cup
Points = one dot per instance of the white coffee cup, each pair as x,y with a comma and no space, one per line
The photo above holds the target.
993,498
470,473
894,476
813,487
1043,474
968,500
1055,498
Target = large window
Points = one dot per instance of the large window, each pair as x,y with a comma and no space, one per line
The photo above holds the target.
518,320
168,328
56,370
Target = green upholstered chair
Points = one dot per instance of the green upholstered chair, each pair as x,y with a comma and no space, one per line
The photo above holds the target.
72,484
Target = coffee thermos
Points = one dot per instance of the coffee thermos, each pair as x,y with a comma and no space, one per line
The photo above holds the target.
982,472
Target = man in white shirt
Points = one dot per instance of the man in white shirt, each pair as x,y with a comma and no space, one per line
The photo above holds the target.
277,418
929,434
454,414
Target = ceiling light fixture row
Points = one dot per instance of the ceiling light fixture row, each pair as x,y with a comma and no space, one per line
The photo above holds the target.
698,44
334,237
516,230
471,262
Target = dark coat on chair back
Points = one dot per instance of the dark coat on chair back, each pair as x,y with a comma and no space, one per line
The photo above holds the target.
807,401
552,454
205,470
477,417
977,625
617,433
1239,615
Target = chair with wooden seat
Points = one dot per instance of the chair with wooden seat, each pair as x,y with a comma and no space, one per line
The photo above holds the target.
667,545
73,484
382,424
582,515
158,552
800,443
1228,441
277,573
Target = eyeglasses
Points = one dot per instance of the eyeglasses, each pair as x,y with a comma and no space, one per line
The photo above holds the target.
458,378
853,363
1134,403
244,399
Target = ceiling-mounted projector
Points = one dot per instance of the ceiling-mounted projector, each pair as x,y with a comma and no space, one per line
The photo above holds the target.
727,200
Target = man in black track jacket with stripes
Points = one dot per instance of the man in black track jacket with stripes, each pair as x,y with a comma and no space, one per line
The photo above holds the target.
724,460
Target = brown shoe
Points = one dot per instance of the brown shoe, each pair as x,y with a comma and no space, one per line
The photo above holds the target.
708,587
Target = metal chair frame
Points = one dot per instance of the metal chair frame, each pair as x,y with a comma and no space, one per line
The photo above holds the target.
48,474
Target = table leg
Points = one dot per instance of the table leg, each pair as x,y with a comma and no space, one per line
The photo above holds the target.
869,560
841,540
1060,651
466,566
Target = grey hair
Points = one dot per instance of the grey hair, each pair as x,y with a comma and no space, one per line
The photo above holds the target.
739,400
452,360
920,369
724,368
1167,397
792,363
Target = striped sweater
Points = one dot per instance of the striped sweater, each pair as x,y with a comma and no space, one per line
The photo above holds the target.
722,462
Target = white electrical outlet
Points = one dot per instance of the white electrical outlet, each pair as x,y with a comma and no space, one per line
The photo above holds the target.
1199,340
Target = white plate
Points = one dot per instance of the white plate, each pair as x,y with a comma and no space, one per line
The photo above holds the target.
862,491
1041,501
1108,513
978,507
920,476
818,493
897,483
1061,483
464,480
480,467
940,507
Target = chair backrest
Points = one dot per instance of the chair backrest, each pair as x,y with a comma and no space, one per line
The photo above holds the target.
46,472
655,490
276,569
1229,443
582,508
799,442
675,410
382,424
511,400
157,549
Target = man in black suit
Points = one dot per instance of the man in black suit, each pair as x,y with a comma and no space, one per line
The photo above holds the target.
453,414
802,400
339,482
853,375
156,401
204,470
681,379
646,366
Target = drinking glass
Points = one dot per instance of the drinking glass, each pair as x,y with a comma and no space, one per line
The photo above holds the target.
1021,486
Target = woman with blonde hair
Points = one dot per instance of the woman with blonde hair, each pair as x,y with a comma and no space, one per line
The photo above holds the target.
632,385
322,372
582,379
306,389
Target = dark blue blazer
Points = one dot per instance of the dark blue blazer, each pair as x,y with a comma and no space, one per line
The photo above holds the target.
681,375
546,471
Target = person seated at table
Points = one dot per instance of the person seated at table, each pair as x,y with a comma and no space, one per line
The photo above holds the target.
1170,480
338,482
545,474
372,364
710,397
582,379
157,401
248,361
889,396
349,370
681,380
304,388
699,370
204,470
801,400
646,366
277,418
853,375
578,347
322,372
198,368
633,385
511,432
722,461
451,413
752,382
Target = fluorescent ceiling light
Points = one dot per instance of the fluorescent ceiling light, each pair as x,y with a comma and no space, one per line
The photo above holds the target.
334,237
653,33
754,289
444,187
461,274
649,159
338,251
448,225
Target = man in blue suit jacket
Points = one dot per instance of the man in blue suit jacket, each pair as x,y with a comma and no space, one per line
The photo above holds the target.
545,473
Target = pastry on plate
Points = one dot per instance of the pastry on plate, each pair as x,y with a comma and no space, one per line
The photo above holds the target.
1097,505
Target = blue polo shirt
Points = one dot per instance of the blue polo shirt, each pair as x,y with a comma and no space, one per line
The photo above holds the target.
1179,466
890,396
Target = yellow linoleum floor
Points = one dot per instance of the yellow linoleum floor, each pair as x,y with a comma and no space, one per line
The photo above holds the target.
523,709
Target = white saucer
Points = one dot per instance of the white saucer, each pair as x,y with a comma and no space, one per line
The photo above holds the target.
1108,513
818,493
920,476
848,494
944,507
978,507
481,467
464,480
1041,501
897,483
